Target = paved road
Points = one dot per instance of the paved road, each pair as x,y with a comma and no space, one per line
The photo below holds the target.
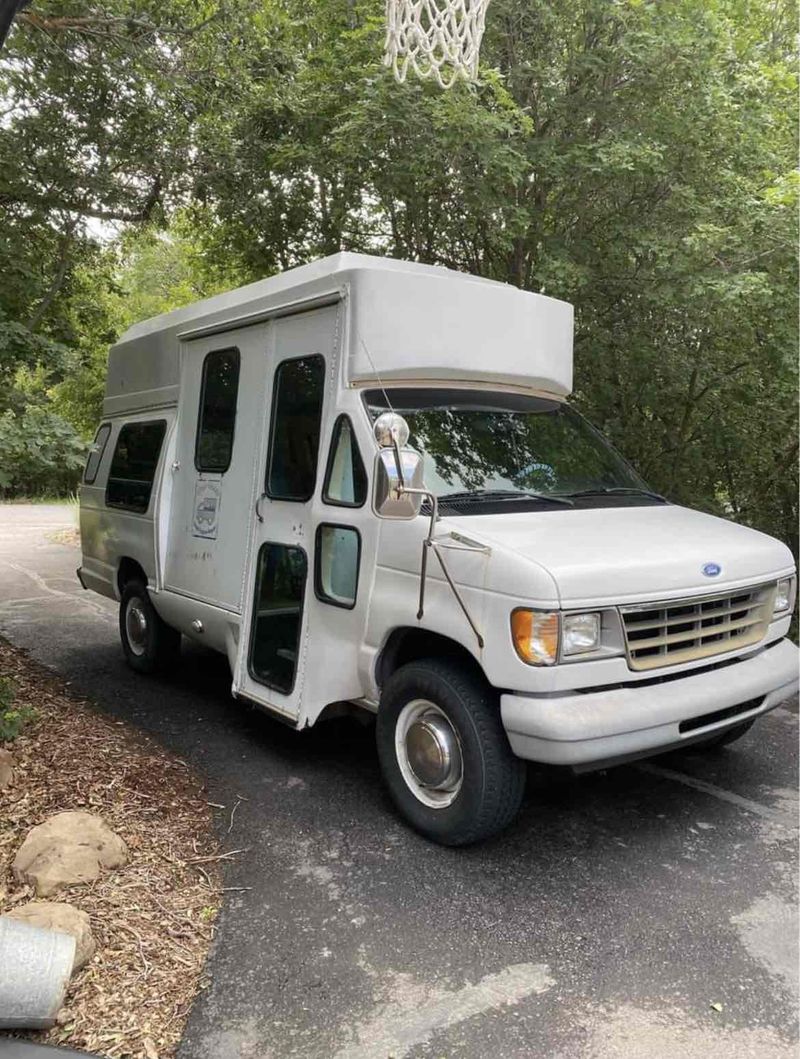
605,923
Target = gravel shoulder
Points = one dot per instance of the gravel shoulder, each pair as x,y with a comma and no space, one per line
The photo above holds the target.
153,920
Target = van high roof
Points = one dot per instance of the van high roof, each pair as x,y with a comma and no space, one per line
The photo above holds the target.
406,323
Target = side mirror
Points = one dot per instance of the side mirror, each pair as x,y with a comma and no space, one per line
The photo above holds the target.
397,469
390,500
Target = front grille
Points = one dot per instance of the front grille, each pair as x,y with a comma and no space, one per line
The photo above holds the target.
666,634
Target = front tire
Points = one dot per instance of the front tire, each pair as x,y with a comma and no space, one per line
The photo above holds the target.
445,755
150,645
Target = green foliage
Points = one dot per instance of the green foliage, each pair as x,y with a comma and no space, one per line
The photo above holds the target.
12,718
39,453
634,158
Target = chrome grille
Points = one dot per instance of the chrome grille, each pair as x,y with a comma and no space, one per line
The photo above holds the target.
682,630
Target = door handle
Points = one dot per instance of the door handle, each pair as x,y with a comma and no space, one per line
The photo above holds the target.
259,516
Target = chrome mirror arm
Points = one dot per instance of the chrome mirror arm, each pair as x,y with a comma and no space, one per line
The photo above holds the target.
398,459
430,543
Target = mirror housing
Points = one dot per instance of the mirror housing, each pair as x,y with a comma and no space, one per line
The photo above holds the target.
389,499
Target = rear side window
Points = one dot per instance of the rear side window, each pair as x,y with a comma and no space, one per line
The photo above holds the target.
96,453
294,441
217,416
133,465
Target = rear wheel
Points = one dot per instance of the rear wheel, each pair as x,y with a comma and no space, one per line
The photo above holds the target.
444,753
150,645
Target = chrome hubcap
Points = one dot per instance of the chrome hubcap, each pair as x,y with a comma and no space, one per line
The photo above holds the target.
429,753
136,626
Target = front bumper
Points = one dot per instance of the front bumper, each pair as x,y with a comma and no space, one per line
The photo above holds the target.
616,724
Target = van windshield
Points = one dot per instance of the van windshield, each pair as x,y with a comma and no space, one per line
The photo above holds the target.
486,450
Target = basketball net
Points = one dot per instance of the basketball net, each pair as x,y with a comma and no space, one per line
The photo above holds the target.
434,38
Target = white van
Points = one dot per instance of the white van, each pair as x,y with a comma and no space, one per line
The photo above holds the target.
362,482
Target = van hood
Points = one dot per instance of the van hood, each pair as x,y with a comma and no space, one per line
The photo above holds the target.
631,554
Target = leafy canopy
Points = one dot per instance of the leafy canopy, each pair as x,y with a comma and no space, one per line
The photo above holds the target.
635,158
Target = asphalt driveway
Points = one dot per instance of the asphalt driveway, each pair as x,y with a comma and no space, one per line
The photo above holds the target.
606,922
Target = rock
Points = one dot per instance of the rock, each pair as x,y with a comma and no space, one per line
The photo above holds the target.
67,919
69,848
6,768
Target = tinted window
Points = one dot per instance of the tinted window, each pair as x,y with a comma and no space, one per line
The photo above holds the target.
96,453
280,583
217,416
345,477
133,466
294,443
336,570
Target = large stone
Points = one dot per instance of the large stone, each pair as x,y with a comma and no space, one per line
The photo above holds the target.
6,768
69,848
53,915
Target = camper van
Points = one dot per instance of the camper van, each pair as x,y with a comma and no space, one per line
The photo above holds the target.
363,483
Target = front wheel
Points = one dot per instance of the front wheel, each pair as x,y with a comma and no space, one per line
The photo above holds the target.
445,755
150,645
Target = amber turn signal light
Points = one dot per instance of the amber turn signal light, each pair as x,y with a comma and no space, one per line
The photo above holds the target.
535,635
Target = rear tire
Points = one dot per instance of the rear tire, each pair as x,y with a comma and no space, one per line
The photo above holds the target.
444,753
150,645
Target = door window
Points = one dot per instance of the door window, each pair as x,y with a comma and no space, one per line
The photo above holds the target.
277,615
133,466
96,453
217,416
345,477
338,553
294,441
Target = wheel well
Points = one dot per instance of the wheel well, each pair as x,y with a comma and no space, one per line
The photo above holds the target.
129,570
407,644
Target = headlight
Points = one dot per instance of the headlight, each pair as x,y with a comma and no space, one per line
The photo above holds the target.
581,633
535,635
784,594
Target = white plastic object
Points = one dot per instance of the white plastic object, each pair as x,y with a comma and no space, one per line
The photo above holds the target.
435,38
35,968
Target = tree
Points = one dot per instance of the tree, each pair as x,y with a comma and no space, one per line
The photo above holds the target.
633,158
95,133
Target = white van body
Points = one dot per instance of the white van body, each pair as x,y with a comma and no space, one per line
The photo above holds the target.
358,325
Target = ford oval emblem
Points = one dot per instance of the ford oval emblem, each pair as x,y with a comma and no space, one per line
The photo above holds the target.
712,569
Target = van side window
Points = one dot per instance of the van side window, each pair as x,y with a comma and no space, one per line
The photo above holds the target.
133,466
338,554
345,477
277,615
217,417
96,453
294,440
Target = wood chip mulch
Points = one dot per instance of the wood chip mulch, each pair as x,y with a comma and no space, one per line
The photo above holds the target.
153,920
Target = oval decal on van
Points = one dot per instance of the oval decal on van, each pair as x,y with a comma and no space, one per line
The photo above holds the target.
712,569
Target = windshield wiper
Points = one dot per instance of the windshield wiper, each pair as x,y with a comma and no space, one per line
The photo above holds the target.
502,494
619,490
